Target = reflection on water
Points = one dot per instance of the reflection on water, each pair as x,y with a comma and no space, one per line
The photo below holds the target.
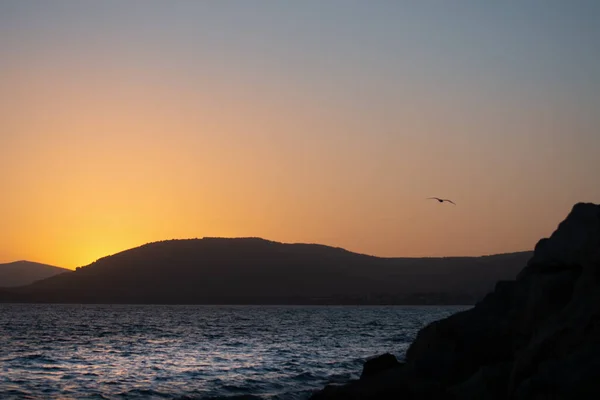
122,351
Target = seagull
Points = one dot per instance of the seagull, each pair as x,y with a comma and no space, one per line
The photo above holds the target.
442,200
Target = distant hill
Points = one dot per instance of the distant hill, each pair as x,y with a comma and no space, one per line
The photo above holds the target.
21,273
257,271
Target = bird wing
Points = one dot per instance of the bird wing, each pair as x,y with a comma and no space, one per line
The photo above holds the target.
450,201
434,198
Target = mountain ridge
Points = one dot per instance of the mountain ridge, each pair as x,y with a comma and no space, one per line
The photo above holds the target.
320,245
259,271
23,272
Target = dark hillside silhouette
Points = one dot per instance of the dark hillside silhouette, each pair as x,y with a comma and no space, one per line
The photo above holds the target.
257,271
21,273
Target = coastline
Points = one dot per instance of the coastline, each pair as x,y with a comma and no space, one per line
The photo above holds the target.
530,338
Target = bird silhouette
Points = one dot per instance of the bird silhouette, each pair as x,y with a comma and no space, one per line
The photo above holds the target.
442,200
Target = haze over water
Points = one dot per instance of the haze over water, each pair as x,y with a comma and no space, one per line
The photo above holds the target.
127,122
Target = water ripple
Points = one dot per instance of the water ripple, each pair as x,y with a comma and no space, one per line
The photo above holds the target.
194,352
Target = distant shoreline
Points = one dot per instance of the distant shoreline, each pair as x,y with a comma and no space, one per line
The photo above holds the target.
238,304
261,272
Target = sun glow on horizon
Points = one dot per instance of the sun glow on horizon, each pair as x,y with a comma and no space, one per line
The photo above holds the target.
123,125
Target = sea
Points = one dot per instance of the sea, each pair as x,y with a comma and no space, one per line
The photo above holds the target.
61,351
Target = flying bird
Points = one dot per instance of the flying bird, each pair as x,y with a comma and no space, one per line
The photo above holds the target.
442,200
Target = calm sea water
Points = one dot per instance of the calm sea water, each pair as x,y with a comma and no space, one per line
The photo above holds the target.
194,352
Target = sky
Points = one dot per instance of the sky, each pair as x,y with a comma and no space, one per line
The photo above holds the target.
124,122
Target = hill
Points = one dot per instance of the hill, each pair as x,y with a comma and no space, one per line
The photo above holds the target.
258,271
21,273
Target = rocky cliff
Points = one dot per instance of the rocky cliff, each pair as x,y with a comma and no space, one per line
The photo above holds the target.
537,337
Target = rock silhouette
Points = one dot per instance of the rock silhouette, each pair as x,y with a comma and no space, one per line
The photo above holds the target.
536,337
378,364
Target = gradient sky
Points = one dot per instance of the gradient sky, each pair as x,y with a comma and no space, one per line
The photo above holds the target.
125,122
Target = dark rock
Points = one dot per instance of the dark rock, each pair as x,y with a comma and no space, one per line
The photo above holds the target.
235,397
378,364
391,383
537,337
453,349
490,382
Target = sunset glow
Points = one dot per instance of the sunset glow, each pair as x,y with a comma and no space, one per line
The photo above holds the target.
121,125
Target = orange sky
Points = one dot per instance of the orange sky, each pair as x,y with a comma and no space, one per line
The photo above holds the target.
106,146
